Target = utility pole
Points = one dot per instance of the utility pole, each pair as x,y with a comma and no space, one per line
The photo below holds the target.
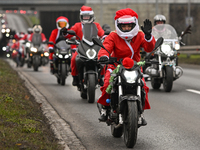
156,7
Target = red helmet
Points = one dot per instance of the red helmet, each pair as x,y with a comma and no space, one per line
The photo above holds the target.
86,14
126,16
62,20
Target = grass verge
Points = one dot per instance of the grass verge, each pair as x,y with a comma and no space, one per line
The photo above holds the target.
22,124
192,59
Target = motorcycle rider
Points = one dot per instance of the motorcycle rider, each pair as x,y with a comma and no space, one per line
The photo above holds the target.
37,29
18,46
56,36
25,38
86,16
125,42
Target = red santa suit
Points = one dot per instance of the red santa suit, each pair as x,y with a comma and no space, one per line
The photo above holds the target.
119,47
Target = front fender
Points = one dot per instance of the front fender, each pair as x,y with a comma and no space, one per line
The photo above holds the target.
123,100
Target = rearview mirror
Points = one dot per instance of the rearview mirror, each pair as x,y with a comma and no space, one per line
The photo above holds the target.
71,32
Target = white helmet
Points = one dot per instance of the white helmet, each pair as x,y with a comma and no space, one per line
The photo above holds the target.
126,16
86,14
159,18
37,29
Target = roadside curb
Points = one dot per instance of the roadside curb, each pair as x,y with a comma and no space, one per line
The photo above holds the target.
61,129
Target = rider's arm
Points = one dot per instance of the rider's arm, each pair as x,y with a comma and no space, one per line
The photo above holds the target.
108,44
100,30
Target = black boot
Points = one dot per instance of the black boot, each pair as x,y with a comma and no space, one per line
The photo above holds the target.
142,121
103,114
75,80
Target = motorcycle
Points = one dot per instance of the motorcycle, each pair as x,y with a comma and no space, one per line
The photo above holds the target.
127,98
61,60
88,68
167,71
36,54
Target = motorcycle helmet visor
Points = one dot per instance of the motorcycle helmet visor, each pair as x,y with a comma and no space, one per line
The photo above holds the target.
62,24
86,18
126,27
37,30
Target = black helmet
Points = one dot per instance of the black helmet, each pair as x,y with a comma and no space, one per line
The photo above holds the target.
159,18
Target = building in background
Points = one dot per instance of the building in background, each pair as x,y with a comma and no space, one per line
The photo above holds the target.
179,13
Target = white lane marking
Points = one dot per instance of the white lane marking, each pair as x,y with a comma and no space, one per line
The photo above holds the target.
193,91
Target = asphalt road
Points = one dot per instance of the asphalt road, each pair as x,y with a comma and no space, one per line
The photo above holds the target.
173,120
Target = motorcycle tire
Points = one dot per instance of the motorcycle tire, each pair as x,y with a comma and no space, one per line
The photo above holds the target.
28,64
91,88
130,116
168,79
36,63
62,74
155,83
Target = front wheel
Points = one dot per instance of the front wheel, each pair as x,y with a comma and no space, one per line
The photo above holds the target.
62,74
168,79
155,83
130,116
91,88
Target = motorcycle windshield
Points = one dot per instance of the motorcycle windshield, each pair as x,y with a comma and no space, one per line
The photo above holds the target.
63,46
89,31
36,39
164,30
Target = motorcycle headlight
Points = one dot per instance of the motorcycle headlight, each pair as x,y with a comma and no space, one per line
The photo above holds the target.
60,56
130,76
4,48
166,49
7,30
33,49
3,30
28,44
46,54
91,53
66,56
177,46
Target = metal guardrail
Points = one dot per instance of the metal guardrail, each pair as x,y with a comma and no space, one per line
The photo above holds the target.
194,49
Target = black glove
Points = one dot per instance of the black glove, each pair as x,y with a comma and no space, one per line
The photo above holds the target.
51,50
64,31
147,29
103,59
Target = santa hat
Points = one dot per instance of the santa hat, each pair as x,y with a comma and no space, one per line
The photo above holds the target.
62,18
125,12
86,10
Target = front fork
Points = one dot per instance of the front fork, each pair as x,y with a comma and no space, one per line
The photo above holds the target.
120,93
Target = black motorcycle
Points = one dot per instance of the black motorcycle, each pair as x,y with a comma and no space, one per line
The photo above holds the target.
86,60
61,60
127,98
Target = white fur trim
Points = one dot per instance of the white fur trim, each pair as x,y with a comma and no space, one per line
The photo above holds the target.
87,12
